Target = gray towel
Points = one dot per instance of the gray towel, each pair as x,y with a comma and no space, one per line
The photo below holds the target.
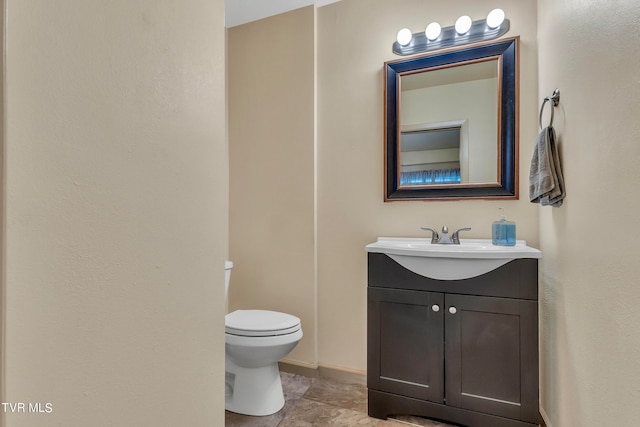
546,184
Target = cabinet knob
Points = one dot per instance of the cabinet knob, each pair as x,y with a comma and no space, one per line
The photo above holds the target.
453,310
435,307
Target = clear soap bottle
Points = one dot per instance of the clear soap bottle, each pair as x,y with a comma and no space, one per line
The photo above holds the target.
503,232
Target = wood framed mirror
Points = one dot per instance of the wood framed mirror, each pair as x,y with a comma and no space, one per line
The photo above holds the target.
451,124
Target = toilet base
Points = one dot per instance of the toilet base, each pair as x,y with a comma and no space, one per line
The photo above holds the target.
253,391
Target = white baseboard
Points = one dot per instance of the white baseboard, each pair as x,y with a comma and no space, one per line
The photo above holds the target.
545,417
342,374
298,368
337,373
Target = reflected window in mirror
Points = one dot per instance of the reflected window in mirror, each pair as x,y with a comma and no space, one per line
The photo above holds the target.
430,156
451,124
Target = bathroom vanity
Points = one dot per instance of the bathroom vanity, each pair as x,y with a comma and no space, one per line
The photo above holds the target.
453,332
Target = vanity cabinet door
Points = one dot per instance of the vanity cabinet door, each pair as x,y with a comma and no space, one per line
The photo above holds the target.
492,355
405,340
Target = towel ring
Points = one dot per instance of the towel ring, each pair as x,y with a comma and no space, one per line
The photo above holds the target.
554,100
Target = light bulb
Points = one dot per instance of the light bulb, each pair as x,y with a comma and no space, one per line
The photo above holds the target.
463,24
404,36
495,18
433,31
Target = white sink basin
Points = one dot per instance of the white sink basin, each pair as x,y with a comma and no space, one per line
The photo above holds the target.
471,258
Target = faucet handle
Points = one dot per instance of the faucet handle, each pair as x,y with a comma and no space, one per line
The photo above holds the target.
434,234
455,237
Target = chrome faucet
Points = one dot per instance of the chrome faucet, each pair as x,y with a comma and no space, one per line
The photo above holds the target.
445,239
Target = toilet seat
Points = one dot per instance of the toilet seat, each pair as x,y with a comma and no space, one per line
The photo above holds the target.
260,323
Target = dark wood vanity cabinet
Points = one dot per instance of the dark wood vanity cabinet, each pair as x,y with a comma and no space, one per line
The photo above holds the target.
463,351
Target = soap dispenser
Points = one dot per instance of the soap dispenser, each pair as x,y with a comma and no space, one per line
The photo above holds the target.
503,232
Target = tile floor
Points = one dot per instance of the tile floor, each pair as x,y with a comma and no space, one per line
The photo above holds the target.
323,402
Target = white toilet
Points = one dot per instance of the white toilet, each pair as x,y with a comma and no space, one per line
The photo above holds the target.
254,342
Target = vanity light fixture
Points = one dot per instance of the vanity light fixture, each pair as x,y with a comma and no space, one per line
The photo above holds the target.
464,31
463,24
404,37
495,18
433,31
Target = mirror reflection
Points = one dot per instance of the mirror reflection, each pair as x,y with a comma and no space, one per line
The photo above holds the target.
430,156
451,124
448,126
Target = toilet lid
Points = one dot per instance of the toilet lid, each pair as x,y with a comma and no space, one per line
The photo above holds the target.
260,323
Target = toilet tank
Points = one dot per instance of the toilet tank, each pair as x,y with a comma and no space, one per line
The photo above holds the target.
228,265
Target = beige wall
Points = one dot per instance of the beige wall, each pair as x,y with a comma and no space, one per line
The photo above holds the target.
354,40
589,279
272,170
116,212
272,183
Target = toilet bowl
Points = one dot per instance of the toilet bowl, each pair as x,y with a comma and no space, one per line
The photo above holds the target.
255,340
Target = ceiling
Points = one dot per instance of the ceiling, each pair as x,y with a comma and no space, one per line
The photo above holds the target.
238,12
